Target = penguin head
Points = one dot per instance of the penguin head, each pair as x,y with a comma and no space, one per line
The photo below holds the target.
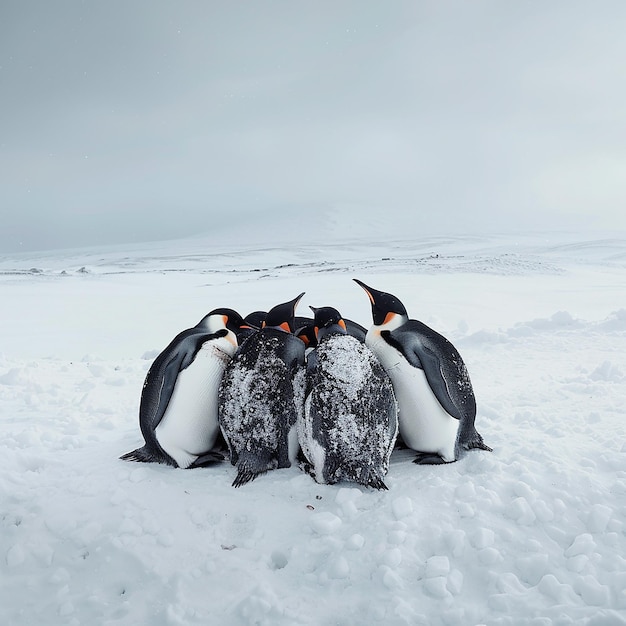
307,335
255,319
328,321
221,318
386,308
281,316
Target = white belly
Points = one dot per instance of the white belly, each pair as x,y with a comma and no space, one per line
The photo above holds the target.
424,425
189,427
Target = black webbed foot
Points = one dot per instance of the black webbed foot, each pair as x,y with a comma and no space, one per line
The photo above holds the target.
208,458
429,458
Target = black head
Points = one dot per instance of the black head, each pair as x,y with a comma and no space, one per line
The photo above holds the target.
231,319
300,321
281,316
382,304
328,321
255,319
307,335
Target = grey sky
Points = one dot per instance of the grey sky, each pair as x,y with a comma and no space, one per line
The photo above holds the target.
128,121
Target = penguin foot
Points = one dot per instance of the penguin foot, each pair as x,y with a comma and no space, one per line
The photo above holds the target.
208,458
429,458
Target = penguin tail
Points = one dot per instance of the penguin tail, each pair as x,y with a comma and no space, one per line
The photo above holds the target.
140,455
475,442
145,455
376,481
250,466
246,475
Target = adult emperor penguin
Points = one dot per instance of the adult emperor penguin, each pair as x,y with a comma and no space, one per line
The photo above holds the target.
178,412
350,423
435,398
261,397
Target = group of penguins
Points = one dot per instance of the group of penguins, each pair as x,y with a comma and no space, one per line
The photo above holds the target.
275,389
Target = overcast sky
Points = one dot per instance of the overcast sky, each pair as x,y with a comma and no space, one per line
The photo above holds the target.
131,120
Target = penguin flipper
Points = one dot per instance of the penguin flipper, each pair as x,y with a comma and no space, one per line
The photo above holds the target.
293,352
434,375
161,378
311,368
425,349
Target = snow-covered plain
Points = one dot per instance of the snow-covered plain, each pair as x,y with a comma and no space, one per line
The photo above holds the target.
532,533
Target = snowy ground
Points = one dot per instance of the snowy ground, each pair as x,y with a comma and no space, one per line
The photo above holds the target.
533,533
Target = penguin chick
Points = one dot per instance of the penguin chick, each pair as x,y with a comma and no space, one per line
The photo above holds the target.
349,425
261,396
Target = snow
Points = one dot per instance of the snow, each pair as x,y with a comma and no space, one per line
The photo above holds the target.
532,533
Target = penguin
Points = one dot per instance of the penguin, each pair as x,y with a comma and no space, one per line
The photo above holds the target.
350,423
355,330
307,335
178,412
253,322
261,397
304,330
255,319
436,402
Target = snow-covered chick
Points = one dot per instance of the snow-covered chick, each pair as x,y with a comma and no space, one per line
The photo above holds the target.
350,422
261,397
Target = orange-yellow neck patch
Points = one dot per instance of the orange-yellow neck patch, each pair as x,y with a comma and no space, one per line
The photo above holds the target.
389,317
